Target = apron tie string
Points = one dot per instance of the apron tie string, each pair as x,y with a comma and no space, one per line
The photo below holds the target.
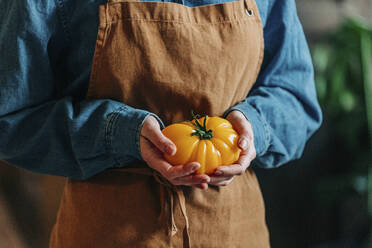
182,201
170,188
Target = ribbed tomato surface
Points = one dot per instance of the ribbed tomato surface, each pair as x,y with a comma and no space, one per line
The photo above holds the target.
210,152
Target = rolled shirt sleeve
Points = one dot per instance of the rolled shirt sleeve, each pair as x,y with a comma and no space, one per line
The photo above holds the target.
41,129
47,127
282,106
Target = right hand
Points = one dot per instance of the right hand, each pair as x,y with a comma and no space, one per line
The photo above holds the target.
153,144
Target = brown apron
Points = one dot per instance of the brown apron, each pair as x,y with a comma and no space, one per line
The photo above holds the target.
168,58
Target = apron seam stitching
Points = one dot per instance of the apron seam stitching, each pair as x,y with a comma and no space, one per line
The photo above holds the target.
240,20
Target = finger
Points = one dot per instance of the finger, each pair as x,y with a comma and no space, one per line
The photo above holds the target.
245,135
154,157
181,170
223,183
246,158
244,128
202,186
151,130
156,161
229,170
215,180
191,180
243,142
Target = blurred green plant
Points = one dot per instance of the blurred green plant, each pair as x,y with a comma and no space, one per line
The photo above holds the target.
343,75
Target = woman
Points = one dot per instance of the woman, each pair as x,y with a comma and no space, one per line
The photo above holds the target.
90,106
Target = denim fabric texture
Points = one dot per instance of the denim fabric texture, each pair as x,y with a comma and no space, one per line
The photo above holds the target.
46,125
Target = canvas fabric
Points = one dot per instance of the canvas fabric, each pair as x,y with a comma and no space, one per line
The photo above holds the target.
168,58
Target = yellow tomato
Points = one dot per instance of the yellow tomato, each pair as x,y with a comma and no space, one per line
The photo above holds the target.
211,141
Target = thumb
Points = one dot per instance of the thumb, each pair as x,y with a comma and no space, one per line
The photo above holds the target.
162,142
151,130
244,129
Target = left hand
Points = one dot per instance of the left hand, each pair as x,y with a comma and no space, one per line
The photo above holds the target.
224,175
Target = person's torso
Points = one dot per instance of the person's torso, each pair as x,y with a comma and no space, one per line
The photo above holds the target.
79,24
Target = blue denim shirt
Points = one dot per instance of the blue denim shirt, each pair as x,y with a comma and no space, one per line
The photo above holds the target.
46,125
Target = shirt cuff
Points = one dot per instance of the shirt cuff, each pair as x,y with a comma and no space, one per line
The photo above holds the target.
123,133
261,131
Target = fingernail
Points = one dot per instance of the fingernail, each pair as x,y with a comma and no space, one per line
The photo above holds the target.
243,144
196,166
218,173
169,150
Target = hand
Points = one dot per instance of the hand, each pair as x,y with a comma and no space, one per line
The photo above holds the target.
224,175
153,144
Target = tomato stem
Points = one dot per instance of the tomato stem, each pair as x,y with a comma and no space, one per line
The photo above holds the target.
200,130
